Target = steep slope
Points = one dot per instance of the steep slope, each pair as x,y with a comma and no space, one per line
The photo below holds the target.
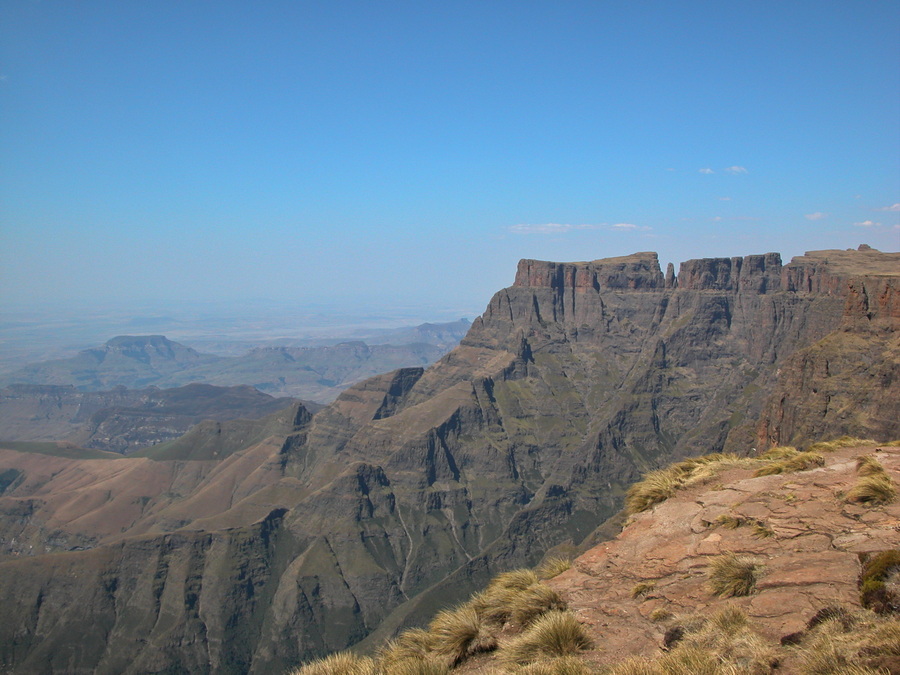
413,488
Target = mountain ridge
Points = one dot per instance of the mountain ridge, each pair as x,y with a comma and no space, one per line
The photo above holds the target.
523,438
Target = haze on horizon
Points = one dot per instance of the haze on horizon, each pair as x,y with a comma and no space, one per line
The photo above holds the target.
407,155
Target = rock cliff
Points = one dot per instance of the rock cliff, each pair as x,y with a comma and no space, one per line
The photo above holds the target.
414,487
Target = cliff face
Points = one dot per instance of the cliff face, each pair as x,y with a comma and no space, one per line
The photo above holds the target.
414,487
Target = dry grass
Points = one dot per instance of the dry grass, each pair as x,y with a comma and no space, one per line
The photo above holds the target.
554,634
798,462
342,663
780,452
429,666
412,644
657,486
563,665
553,567
859,642
642,588
867,465
731,575
529,604
458,633
730,522
872,489
838,443
877,581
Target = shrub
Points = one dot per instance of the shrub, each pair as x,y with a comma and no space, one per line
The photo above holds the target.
873,489
732,576
553,634
341,663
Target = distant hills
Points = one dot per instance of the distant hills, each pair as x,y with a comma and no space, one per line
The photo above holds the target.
317,373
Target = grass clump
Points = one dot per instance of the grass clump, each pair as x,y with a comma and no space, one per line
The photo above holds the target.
838,443
553,567
872,490
879,582
730,522
414,644
563,665
780,452
341,663
657,486
554,634
851,643
798,462
867,465
642,588
731,575
458,633
534,601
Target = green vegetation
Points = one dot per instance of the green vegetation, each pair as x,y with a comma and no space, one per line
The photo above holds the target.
731,575
875,590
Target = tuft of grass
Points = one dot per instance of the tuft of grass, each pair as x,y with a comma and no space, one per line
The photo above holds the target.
873,489
428,666
412,644
642,588
799,462
554,634
517,580
657,486
867,465
553,567
458,633
563,665
780,452
341,663
761,530
858,643
730,522
731,575
875,592
838,443
534,601
660,614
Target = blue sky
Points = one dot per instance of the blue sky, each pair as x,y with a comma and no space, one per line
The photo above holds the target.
409,153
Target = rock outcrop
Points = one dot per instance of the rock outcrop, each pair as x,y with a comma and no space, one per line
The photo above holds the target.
413,488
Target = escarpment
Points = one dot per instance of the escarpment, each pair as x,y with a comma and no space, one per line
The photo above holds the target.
415,487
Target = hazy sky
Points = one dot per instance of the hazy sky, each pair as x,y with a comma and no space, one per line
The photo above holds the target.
412,152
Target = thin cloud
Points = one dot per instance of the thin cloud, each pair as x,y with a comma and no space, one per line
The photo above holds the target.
735,169
867,223
562,228
818,215
892,207
707,171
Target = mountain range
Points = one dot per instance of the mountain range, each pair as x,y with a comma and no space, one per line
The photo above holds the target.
317,373
250,546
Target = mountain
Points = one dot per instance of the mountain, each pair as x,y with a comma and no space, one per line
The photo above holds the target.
122,420
413,488
317,373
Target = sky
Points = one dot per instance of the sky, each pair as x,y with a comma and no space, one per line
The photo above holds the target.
379,154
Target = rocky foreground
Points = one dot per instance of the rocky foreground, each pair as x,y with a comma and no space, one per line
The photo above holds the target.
799,528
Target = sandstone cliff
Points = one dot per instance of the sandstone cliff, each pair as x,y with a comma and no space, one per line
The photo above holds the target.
413,488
